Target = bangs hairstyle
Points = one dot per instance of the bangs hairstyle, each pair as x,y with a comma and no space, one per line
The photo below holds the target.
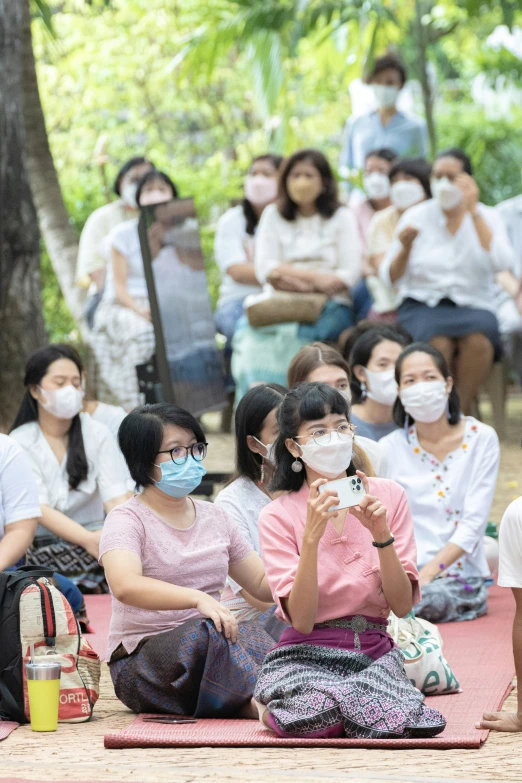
458,154
310,358
137,161
386,62
363,349
141,434
309,402
150,176
400,417
248,210
327,202
36,368
384,153
413,167
250,416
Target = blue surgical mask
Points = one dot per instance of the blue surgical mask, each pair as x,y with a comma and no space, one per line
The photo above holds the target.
178,481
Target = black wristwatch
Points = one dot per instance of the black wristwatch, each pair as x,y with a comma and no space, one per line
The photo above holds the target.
384,544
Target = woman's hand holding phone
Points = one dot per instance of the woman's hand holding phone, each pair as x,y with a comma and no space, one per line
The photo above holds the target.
318,511
371,513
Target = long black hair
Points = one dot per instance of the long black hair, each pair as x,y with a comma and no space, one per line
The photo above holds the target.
400,417
35,369
327,202
141,433
308,402
251,413
248,210
363,349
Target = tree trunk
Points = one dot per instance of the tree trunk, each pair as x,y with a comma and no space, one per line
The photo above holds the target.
59,236
21,320
427,94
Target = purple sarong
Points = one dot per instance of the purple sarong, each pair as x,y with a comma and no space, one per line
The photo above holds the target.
335,682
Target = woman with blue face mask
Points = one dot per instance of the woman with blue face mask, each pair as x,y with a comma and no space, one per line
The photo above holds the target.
167,557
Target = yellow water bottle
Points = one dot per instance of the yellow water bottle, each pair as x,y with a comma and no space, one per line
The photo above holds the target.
43,686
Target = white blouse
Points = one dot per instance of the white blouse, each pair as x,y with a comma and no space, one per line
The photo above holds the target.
443,266
449,500
233,245
106,479
323,244
18,492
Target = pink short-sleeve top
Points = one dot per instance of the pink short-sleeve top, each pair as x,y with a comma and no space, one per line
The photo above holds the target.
349,578
197,557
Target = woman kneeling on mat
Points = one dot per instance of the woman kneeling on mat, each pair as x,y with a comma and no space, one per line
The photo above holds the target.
448,465
173,648
335,576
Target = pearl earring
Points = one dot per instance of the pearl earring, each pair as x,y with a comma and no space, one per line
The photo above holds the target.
262,480
297,466
363,390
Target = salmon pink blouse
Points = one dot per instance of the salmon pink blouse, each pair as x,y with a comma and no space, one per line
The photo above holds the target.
349,577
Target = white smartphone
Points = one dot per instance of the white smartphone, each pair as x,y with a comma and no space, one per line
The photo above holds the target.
350,490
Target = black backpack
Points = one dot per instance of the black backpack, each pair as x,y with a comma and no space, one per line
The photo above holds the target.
12,585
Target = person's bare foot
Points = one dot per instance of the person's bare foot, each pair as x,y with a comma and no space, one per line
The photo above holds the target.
249,710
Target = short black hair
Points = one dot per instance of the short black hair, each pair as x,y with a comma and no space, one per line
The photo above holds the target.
385,153
141,433
413,167
307,402
136,161
327,202
250,415
384,63
249,212
456,152
363,349
403,419
149,177
349,337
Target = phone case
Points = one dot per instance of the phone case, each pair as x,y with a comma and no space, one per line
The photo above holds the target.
350,491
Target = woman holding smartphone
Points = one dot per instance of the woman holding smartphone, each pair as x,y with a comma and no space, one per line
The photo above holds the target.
334,576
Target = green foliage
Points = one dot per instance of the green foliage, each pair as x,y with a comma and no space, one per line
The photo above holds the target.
203,87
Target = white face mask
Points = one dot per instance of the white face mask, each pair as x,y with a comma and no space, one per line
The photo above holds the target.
328,459
406,193
128,194
382,386
269,456
425,401
385,95
376,185
63,403
154,197
446,193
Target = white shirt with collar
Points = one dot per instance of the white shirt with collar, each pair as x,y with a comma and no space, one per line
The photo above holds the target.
510,545
232,245
449,500
446,266
106,479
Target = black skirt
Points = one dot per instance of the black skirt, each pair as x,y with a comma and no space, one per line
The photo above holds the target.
447,319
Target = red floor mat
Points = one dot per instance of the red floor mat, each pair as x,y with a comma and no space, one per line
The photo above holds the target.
479,652
6,727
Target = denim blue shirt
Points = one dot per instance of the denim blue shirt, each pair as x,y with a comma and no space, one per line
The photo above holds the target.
406,134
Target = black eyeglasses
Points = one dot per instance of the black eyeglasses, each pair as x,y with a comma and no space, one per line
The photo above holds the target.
180,454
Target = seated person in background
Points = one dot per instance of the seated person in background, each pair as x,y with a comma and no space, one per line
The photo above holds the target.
247,492
510,575
448,466
444,260
372,381
79,470
320,363
306,243
336,672
234,242
109,415
123,335
377,188
92,261
509,292
410,184
167,557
